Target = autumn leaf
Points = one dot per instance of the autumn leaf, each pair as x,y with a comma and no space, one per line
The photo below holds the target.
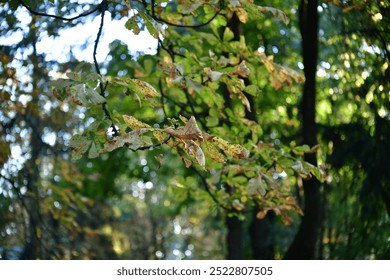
133,123
276,13
234,150
193,149
132,139
190,131
242,70
142,88
159,135
132,24
212,75
280,74
262,213
242,14
213,152
80,145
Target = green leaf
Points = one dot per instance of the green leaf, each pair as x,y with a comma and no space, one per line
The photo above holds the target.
155,28
78,140
252,90
300,150
228,35
193,84
132,139
94,151
85,94
256,186
132,25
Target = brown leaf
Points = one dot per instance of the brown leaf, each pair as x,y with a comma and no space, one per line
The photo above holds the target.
160,159
191,131
242,70
193,149
187,162
287,220
262,213
276,13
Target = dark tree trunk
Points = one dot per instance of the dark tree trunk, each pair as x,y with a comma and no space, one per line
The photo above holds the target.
305,242
234,239
33,246
262,242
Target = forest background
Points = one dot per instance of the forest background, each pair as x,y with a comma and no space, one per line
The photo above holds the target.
253,132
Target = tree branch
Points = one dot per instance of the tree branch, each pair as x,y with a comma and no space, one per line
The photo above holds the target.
207,188
32,11
220,8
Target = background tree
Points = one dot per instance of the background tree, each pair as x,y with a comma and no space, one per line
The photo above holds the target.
173,148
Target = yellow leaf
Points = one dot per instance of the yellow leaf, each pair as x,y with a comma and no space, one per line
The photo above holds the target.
242,14
144,88
133,123
159,136
234,150
212,151
238,151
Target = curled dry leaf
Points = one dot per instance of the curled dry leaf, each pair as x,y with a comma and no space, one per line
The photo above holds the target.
193,149
191,131
242,70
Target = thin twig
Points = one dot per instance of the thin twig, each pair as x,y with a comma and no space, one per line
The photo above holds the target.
60,17
207,188
97,67
221,7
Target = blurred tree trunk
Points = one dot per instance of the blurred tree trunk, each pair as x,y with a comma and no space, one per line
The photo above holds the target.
304,244
33,246
262,241
234,239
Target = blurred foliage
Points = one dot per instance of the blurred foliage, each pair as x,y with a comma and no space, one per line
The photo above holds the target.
169,145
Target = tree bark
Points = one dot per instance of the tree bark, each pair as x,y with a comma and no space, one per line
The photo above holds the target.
234,239
33,246
305,242
262,242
